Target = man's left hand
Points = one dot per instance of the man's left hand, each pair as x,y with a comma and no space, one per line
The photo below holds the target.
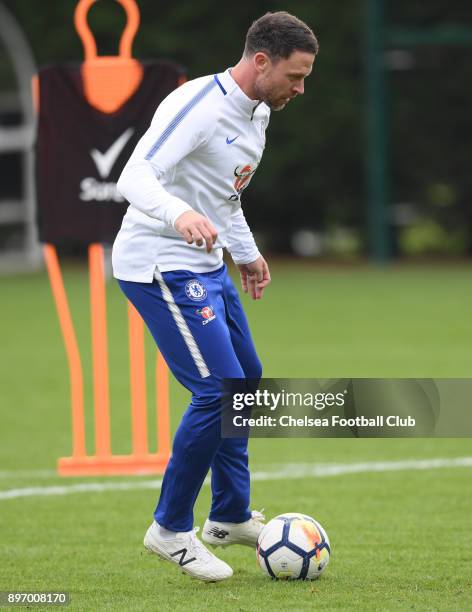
255,277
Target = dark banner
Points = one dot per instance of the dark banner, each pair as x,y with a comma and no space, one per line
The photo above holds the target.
347,408
81,152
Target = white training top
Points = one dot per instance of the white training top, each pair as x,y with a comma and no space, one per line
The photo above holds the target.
203,146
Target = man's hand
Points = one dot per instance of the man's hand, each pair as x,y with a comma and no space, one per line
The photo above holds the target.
255,277
194,226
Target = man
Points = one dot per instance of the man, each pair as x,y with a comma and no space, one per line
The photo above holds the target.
184,182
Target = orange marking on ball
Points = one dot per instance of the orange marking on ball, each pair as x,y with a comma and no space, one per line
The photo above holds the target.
312,534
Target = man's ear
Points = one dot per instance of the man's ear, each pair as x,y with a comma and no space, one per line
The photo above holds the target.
261,61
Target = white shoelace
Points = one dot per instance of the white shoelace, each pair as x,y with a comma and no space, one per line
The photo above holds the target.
258,516
197,548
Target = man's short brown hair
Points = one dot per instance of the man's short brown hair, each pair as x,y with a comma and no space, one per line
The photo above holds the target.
279,34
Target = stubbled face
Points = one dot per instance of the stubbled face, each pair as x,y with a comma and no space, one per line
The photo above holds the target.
280,81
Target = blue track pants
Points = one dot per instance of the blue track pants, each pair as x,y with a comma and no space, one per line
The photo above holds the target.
199,325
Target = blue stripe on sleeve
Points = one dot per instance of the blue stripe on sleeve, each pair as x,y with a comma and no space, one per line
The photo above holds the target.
178,118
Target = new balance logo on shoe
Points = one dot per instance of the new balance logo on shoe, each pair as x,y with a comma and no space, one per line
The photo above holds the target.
218,533
182,552
186,552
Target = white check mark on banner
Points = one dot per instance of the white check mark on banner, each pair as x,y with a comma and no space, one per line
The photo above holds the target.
105,161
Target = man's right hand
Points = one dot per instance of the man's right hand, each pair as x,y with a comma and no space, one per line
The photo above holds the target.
195,227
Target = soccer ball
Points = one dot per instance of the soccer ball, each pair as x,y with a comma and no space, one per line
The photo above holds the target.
293,546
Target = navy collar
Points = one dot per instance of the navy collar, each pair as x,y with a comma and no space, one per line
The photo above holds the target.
229,87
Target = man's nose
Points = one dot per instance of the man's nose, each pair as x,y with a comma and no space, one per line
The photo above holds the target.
299,88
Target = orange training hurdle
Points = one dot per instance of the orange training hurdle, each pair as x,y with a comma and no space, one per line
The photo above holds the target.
108,82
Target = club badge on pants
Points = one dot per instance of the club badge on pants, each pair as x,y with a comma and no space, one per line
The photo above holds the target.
195,290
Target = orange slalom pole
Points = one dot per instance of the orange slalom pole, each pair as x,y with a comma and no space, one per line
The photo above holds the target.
99,350
132,25
81,25
162,406
72,350
137,382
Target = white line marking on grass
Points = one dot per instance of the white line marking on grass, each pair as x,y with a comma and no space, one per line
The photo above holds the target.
301,470
88,487
291,470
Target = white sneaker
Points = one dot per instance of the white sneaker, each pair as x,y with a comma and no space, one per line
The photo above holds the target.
224,534
187,552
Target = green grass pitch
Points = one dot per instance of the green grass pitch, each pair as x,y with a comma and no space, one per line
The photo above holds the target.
400,539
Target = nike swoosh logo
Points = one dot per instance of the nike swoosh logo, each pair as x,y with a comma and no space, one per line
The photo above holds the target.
228,141
105,161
